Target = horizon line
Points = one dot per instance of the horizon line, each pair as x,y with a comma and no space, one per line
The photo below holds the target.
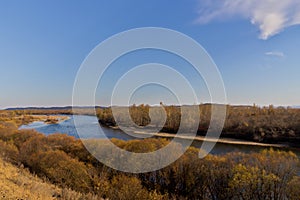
90,106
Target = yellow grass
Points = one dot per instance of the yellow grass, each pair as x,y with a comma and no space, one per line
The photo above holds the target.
18,183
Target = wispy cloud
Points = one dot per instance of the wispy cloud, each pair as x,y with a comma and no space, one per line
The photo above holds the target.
270,16
275,53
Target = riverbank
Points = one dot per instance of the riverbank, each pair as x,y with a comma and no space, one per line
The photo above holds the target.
55,119
47,119
204,139
223,145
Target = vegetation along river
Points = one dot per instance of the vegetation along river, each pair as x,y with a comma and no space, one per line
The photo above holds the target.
90,127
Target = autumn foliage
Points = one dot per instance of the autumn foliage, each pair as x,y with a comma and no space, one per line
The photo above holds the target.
64,161
260,124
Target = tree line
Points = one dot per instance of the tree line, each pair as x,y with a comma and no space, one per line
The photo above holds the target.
267,124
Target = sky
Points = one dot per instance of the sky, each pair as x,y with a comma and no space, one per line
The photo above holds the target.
255,45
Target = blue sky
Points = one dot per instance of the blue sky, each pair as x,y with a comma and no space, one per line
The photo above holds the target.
255,46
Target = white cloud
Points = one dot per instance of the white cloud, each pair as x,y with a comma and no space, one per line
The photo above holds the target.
275,53
270,16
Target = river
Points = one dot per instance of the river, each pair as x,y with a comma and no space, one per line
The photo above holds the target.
90,127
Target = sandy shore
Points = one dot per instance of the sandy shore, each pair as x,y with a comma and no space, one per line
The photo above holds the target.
202,139
47,119
222,140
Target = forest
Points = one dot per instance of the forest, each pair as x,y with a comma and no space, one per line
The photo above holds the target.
267,124
63,161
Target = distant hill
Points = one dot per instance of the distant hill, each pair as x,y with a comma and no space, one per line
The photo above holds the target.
54,108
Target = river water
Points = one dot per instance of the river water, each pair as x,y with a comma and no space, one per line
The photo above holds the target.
88,127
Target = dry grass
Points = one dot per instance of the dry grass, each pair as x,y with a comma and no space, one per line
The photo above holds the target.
18,183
